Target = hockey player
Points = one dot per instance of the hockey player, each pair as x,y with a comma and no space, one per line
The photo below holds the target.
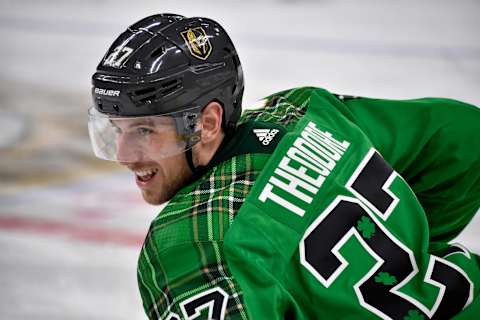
314,206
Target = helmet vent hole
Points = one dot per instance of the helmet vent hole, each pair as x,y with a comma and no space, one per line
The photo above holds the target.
157,52
144,91
147,99
171,86
145,94
170,83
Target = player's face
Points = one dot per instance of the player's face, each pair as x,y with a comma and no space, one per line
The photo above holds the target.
160,180
158,177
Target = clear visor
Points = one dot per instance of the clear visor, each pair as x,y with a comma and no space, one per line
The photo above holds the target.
137,139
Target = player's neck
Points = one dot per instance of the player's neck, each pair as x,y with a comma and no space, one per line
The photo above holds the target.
204,152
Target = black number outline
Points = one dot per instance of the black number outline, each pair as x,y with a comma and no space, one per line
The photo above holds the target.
189,305
350,185
372,213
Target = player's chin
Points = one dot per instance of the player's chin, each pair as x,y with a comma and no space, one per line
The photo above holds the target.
154,198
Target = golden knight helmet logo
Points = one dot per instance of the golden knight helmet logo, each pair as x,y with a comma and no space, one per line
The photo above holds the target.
197,42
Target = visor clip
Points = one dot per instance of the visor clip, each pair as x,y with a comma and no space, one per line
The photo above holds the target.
190,120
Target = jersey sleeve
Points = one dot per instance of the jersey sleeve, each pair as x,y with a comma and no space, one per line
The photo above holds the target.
434,144
188,281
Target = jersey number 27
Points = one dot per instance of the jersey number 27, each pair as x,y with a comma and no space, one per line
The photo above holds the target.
379,289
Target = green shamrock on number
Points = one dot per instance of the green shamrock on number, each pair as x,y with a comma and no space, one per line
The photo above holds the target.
385,278
366,226
414,315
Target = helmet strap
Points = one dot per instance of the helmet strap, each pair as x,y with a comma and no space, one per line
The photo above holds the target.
189,157
197,171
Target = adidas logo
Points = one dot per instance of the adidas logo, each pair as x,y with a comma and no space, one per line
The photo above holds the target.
265,136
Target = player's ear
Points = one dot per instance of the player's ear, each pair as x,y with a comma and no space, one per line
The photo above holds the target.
211,120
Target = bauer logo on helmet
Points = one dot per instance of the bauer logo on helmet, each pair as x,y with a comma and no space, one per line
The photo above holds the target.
107,92
197,42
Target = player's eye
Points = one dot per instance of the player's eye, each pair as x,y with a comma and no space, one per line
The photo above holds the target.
142,131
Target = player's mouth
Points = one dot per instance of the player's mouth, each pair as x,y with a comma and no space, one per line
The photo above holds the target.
145,176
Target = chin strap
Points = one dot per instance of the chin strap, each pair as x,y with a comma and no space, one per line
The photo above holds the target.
188,156
197,171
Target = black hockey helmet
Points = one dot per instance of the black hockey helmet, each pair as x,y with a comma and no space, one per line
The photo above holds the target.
169,64
165,63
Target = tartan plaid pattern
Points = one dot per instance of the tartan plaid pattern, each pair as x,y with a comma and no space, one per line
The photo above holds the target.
182,254
284,108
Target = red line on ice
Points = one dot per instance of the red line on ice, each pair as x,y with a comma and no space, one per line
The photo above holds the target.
75,231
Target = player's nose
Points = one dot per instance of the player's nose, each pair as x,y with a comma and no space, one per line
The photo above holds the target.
127,152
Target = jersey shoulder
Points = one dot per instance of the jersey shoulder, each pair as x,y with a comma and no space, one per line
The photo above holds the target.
284,108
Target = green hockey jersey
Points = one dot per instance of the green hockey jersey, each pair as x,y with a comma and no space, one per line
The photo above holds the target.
353,205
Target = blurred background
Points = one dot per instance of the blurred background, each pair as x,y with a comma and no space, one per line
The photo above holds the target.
71,226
